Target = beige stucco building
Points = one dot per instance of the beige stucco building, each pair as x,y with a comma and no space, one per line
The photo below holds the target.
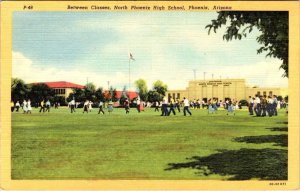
221,89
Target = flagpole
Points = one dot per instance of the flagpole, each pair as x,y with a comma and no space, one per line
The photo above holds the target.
129,74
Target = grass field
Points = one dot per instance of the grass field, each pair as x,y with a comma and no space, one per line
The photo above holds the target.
61,145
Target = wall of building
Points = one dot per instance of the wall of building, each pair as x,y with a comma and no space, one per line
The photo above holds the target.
65,92
267,91
221,89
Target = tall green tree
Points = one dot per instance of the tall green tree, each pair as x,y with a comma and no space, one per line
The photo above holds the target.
40,92
89,91
77,94
111,94
273,25
142,88
160,87
100,94
19,90
154,96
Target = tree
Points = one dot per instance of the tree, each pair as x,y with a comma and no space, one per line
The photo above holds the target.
77,94
90,87
154,96
59,99
111,94
142,88
19,90
160,87
273,26
100,94
89,92
40,92
123,96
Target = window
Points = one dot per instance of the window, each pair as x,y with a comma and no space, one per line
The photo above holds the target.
258,93
264,93
173,96
178,95
270,93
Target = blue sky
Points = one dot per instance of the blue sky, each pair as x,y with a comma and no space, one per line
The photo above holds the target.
74,46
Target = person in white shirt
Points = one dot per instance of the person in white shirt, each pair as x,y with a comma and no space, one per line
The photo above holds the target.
24,106
186,105
164,107
138,102
72,105
48,105
86,106
100,108
250,105
29,108
270,110
258,106
275,105
90,106
17,106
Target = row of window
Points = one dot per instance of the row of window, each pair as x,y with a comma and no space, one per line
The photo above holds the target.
60,91
173,96
265,93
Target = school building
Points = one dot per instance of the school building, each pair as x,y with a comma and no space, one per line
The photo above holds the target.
222,89
63,88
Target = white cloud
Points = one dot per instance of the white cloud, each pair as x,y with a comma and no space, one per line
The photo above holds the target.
263,74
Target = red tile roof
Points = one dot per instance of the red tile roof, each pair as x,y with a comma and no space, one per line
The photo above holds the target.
131,95
61,84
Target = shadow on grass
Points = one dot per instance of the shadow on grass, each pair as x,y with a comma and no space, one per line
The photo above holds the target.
243,164
278,129
278,140
284,122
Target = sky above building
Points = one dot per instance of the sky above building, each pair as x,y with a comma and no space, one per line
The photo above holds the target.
168,46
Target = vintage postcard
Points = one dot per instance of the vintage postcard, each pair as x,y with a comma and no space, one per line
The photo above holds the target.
149,95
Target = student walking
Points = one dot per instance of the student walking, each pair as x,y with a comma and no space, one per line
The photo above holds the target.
86,106
138,103
250,105
90,106
264,103
164,107
101,108
257,106
275,102
230,107
42,106
24,106
12,106
126,104
156,106
72,105
17,106
270,106
186,105
110,107
177,105
48,105
171,107
211,108
29,108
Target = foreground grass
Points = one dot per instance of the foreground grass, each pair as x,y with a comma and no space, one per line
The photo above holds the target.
61,145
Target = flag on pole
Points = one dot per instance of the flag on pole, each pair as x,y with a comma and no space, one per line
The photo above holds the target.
131,57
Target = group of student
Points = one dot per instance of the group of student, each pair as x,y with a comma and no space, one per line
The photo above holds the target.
26,106
173,105
258,105
263,105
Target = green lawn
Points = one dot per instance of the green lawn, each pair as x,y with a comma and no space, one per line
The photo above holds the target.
61,145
